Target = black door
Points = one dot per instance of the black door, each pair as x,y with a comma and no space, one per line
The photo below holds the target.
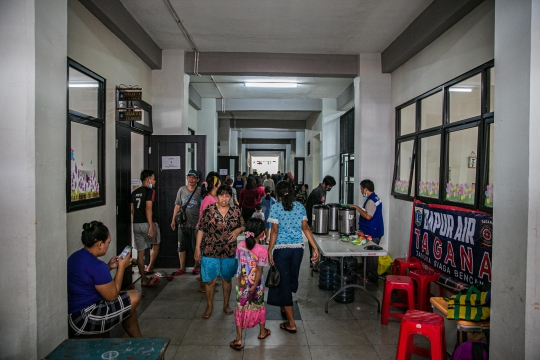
164,151
123,194
228,165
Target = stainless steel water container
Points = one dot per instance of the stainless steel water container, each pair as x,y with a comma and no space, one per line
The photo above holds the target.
347,221
333,217
320,219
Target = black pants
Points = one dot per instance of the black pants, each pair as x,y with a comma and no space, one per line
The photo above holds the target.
247,213
372,264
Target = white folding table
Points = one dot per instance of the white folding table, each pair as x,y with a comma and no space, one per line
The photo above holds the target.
332,246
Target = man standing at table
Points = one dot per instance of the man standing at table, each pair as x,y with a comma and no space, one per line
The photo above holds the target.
317,197
370,223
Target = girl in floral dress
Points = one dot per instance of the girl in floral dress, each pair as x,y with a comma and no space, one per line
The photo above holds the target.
250,309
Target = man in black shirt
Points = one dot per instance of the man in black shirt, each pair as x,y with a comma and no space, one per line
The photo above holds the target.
317,197
145,229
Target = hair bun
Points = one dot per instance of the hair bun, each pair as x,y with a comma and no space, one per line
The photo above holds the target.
86,226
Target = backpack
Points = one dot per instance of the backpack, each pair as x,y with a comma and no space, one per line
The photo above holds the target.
472,350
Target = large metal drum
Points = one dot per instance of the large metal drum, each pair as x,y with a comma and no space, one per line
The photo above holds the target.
320,219
347,221
333,217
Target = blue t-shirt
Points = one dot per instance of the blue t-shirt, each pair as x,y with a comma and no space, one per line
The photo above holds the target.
267,205
84,272
289,225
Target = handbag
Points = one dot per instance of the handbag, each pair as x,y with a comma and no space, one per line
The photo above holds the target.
181,217
272,279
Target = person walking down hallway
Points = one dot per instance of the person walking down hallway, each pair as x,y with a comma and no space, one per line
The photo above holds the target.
95,302
188,200
145,229
249,197
268,182
317,197
219,227
286,249
370,223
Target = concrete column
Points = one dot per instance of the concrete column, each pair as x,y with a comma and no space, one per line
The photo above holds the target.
288,157
233,143
243,163
185,107
207,124
330,162
224,135
373,127
301,143
169,109
33,211
515,309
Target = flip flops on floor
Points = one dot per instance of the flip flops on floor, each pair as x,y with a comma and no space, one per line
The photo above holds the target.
236,346
152,281
283,326
266,334
179,272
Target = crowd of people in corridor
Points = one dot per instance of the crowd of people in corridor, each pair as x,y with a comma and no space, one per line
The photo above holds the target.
209,218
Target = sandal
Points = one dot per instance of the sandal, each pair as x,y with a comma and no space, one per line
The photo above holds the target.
236,346
283,326
196,271
179,272
267,334
153,281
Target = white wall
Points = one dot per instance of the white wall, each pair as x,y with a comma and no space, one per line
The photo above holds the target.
207,124
224,135
330,161
192,119
168,84
91,44
465,46
32,212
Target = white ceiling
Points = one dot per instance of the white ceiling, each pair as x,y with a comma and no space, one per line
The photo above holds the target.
278,26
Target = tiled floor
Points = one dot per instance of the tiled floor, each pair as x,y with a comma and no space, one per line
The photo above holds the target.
348,331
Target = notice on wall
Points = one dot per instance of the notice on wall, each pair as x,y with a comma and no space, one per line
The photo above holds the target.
454,241
170,163
223,172
135,183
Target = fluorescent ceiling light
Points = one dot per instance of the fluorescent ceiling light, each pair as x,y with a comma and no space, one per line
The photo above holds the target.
79,85
456,89
271,84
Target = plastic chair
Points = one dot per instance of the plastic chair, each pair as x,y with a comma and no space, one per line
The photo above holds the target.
401,265
416,322
396,282
423,278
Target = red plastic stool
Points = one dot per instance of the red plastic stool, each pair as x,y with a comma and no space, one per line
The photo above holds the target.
423,278
401,265
396,282
426,324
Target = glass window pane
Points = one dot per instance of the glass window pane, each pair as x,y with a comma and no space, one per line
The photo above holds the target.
492,89
462,147
83,93
430,159
84,162
401,182
431,111
489,187
407,119
464,99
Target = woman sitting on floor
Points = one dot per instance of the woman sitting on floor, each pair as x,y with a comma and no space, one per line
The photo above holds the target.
95,302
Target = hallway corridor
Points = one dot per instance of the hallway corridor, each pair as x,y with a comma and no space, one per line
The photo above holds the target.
351,331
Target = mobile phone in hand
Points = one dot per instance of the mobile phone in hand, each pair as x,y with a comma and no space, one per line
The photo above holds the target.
126,251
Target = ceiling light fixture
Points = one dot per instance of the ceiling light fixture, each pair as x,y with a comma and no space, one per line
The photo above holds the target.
271,84
456,89
80,85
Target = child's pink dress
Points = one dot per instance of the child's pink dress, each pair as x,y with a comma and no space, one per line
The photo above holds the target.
250,310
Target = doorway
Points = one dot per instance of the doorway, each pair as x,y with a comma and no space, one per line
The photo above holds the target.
228,165
346,190
299,170
171,157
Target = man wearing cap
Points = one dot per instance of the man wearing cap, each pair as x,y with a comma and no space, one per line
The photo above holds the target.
188,199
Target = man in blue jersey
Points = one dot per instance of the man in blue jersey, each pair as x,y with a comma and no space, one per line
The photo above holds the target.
370,222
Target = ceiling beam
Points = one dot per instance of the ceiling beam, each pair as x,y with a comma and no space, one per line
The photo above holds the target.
268,134
436,19
345,100
119,21
271,104
268,124
266,141
269,64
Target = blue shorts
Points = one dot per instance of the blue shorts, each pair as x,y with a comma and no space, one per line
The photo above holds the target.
211,268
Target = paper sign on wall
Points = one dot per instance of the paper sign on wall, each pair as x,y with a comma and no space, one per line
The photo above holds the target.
170,162
223,172
135,183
